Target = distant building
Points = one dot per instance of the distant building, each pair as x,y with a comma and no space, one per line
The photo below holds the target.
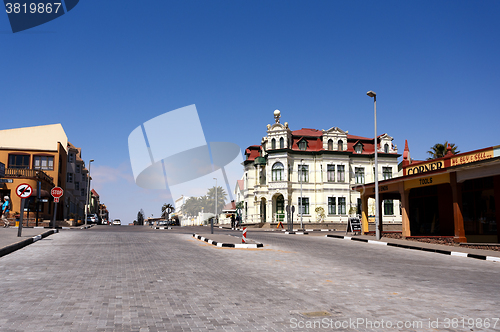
313,170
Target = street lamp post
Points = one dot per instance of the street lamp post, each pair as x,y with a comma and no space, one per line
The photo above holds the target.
212,223
377,221
88,193
301,175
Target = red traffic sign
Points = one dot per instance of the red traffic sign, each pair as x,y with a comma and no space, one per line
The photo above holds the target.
24,190
56,192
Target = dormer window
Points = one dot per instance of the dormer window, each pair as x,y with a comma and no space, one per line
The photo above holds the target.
340,145
330,144
386,148
358,148
303,145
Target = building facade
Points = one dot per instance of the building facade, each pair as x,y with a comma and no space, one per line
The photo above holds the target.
35,156
314,170
42,157
456,196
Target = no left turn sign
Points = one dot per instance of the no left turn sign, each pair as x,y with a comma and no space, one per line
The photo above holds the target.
24,190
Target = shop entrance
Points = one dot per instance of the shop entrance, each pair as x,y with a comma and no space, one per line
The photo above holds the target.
431,211
479,213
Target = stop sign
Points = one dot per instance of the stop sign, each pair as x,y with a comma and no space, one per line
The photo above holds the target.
56,192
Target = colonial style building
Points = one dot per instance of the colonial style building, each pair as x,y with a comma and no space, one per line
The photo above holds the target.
314,170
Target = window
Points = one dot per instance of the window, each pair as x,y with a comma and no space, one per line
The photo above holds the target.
340,173
69,178
387,173
77,168
330,144
359,173
277,171
290,170
303,145
388,207
304,205
342,205
358,148
83,177
77,185
71,158
282,143
303,173
273,144
340,145
332,209
386,148
19,161
330,173
82,192
43,162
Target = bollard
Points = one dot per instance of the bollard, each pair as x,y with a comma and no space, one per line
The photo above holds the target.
244,234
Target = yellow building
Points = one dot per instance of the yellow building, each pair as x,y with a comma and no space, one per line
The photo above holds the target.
36,156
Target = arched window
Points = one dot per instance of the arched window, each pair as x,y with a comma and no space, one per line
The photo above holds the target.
386,148
273,144
340,145
330,144
277,171
282,143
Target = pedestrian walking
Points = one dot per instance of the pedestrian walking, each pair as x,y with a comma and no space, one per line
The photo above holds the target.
5,211
232,221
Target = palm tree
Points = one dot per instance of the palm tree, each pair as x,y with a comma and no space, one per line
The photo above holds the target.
166,209
192,206
439,150
221,199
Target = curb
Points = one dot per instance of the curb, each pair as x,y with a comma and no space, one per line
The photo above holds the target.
294,232
404,246
161,227
228,245
21,244
302,230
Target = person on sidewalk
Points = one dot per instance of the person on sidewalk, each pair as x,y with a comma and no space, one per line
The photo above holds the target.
233,226
5,211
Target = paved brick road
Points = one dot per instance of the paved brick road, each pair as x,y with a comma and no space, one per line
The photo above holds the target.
138,279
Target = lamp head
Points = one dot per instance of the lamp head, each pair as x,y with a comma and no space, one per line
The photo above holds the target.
371,94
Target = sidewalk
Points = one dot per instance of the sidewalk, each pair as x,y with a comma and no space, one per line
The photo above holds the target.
457,250
9,241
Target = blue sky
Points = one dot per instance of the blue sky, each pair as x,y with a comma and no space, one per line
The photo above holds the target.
106,67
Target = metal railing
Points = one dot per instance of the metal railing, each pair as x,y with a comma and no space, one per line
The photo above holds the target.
28,173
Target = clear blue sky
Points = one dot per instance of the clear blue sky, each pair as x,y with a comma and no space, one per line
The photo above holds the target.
107,66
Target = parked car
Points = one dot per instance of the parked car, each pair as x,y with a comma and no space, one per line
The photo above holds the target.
117,222
91,219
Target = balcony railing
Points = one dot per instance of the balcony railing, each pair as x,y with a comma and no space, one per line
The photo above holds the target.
28,173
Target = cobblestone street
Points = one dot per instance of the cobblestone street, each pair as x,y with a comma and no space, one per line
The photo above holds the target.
138,279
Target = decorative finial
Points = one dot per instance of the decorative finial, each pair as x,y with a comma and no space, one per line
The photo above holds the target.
277,115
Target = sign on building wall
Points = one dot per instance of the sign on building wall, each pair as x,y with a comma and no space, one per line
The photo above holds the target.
427,181
472,157
426,167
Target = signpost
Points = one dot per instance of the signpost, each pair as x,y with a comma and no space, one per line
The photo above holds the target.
353,225
56,192
24,191
289,213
